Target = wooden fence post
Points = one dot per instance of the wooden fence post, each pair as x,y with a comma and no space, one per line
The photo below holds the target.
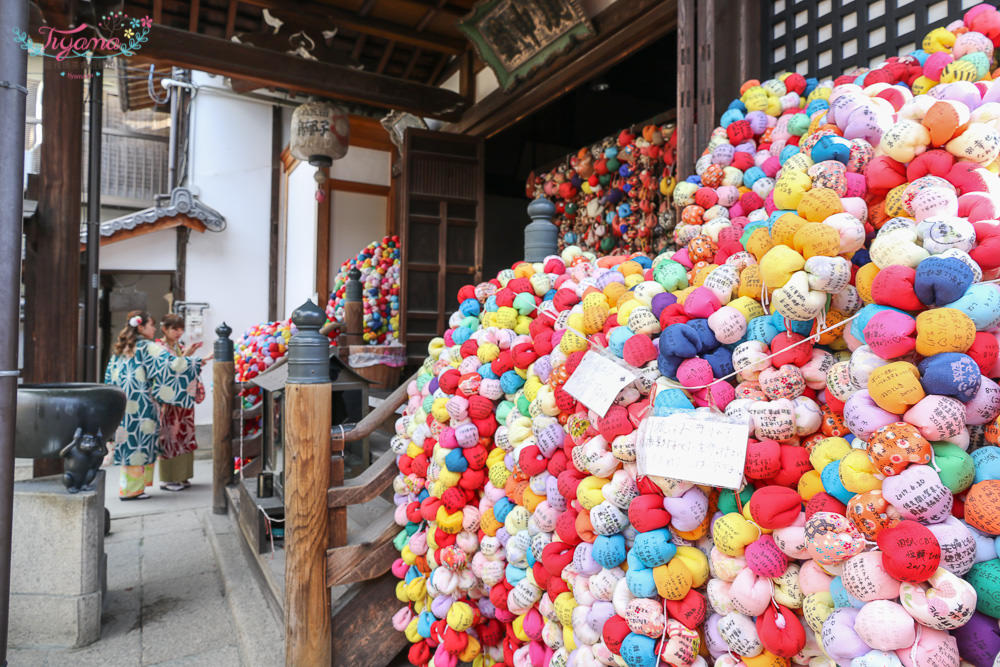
308,413
222,417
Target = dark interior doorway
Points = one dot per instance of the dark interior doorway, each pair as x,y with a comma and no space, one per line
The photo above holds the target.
122,291
635,90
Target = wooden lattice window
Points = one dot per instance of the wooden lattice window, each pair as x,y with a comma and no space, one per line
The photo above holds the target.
826,38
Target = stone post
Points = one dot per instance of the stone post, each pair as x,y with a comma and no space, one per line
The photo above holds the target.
541,237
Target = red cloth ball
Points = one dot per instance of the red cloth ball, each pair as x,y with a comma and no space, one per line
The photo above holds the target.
614,632
893,286
763,460
449,380
784,639
824,502
639,351
774,507
794,464
910,552
984,352
646,513
884,174
690,611
797,356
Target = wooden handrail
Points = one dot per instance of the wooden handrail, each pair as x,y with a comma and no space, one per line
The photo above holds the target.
366,486
373,419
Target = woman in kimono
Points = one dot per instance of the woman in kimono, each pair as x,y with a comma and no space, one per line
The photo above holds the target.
177,440
148,374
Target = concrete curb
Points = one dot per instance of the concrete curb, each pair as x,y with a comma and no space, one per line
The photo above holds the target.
259,633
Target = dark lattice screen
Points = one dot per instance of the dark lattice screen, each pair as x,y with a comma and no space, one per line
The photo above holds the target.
825,38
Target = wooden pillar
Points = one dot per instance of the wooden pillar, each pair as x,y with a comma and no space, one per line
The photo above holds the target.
222,417
52,255
685,88
705,74
307,477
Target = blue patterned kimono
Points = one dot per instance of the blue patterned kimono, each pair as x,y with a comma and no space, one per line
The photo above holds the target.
152,374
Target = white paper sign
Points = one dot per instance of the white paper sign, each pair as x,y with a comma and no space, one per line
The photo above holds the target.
699,447
597,381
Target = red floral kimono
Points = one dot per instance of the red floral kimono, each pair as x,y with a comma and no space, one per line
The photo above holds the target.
176,423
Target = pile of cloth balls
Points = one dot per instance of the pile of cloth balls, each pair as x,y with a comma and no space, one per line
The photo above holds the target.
835,287
378,263
614,197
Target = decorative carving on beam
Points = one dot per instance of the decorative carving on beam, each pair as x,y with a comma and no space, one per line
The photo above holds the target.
289,35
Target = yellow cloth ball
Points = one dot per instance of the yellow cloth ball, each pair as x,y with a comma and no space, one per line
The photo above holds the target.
784,228
673,580
460,616
944,330
864,279
896,387
588,492
857,472
696,562
818,204
733,533
810,484
778,265
487,352
827,451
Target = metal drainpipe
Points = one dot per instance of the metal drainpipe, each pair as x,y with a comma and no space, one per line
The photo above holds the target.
13,96
93,219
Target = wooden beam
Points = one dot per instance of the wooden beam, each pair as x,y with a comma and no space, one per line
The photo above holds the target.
337,185
180,220
369,133
231,18
193,18
52,259
323,224
467,79
157,11
60,13
326,15
278,70
705,71
386,55
413,63
622,29
342,562
434,78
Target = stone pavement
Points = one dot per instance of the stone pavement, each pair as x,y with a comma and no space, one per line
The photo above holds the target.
179,589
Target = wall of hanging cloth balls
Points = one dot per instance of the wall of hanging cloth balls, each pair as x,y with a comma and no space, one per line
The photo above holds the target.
614,196
378,263
836,297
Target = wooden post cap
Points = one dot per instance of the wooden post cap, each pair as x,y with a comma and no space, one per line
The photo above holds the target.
223,348
308,350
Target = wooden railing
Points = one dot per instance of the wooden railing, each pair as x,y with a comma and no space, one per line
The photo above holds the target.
318,554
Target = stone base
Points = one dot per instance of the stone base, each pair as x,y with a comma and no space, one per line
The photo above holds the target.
58,571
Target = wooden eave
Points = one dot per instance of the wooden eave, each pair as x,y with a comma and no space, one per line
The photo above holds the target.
179,220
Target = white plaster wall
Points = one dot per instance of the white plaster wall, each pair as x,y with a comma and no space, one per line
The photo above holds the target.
300,239
363,165
149,252
356,220
231,172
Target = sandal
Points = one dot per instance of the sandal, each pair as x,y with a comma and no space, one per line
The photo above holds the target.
172,486
187,484
141,496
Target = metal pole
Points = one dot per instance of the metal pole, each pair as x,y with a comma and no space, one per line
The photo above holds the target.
93,219
172,145
222,417
13,96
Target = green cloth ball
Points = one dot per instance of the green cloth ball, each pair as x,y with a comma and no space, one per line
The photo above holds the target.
957,468
985,578
503,410
727,499
671,275
524,303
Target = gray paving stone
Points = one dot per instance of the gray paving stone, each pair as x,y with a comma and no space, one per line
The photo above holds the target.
224,656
